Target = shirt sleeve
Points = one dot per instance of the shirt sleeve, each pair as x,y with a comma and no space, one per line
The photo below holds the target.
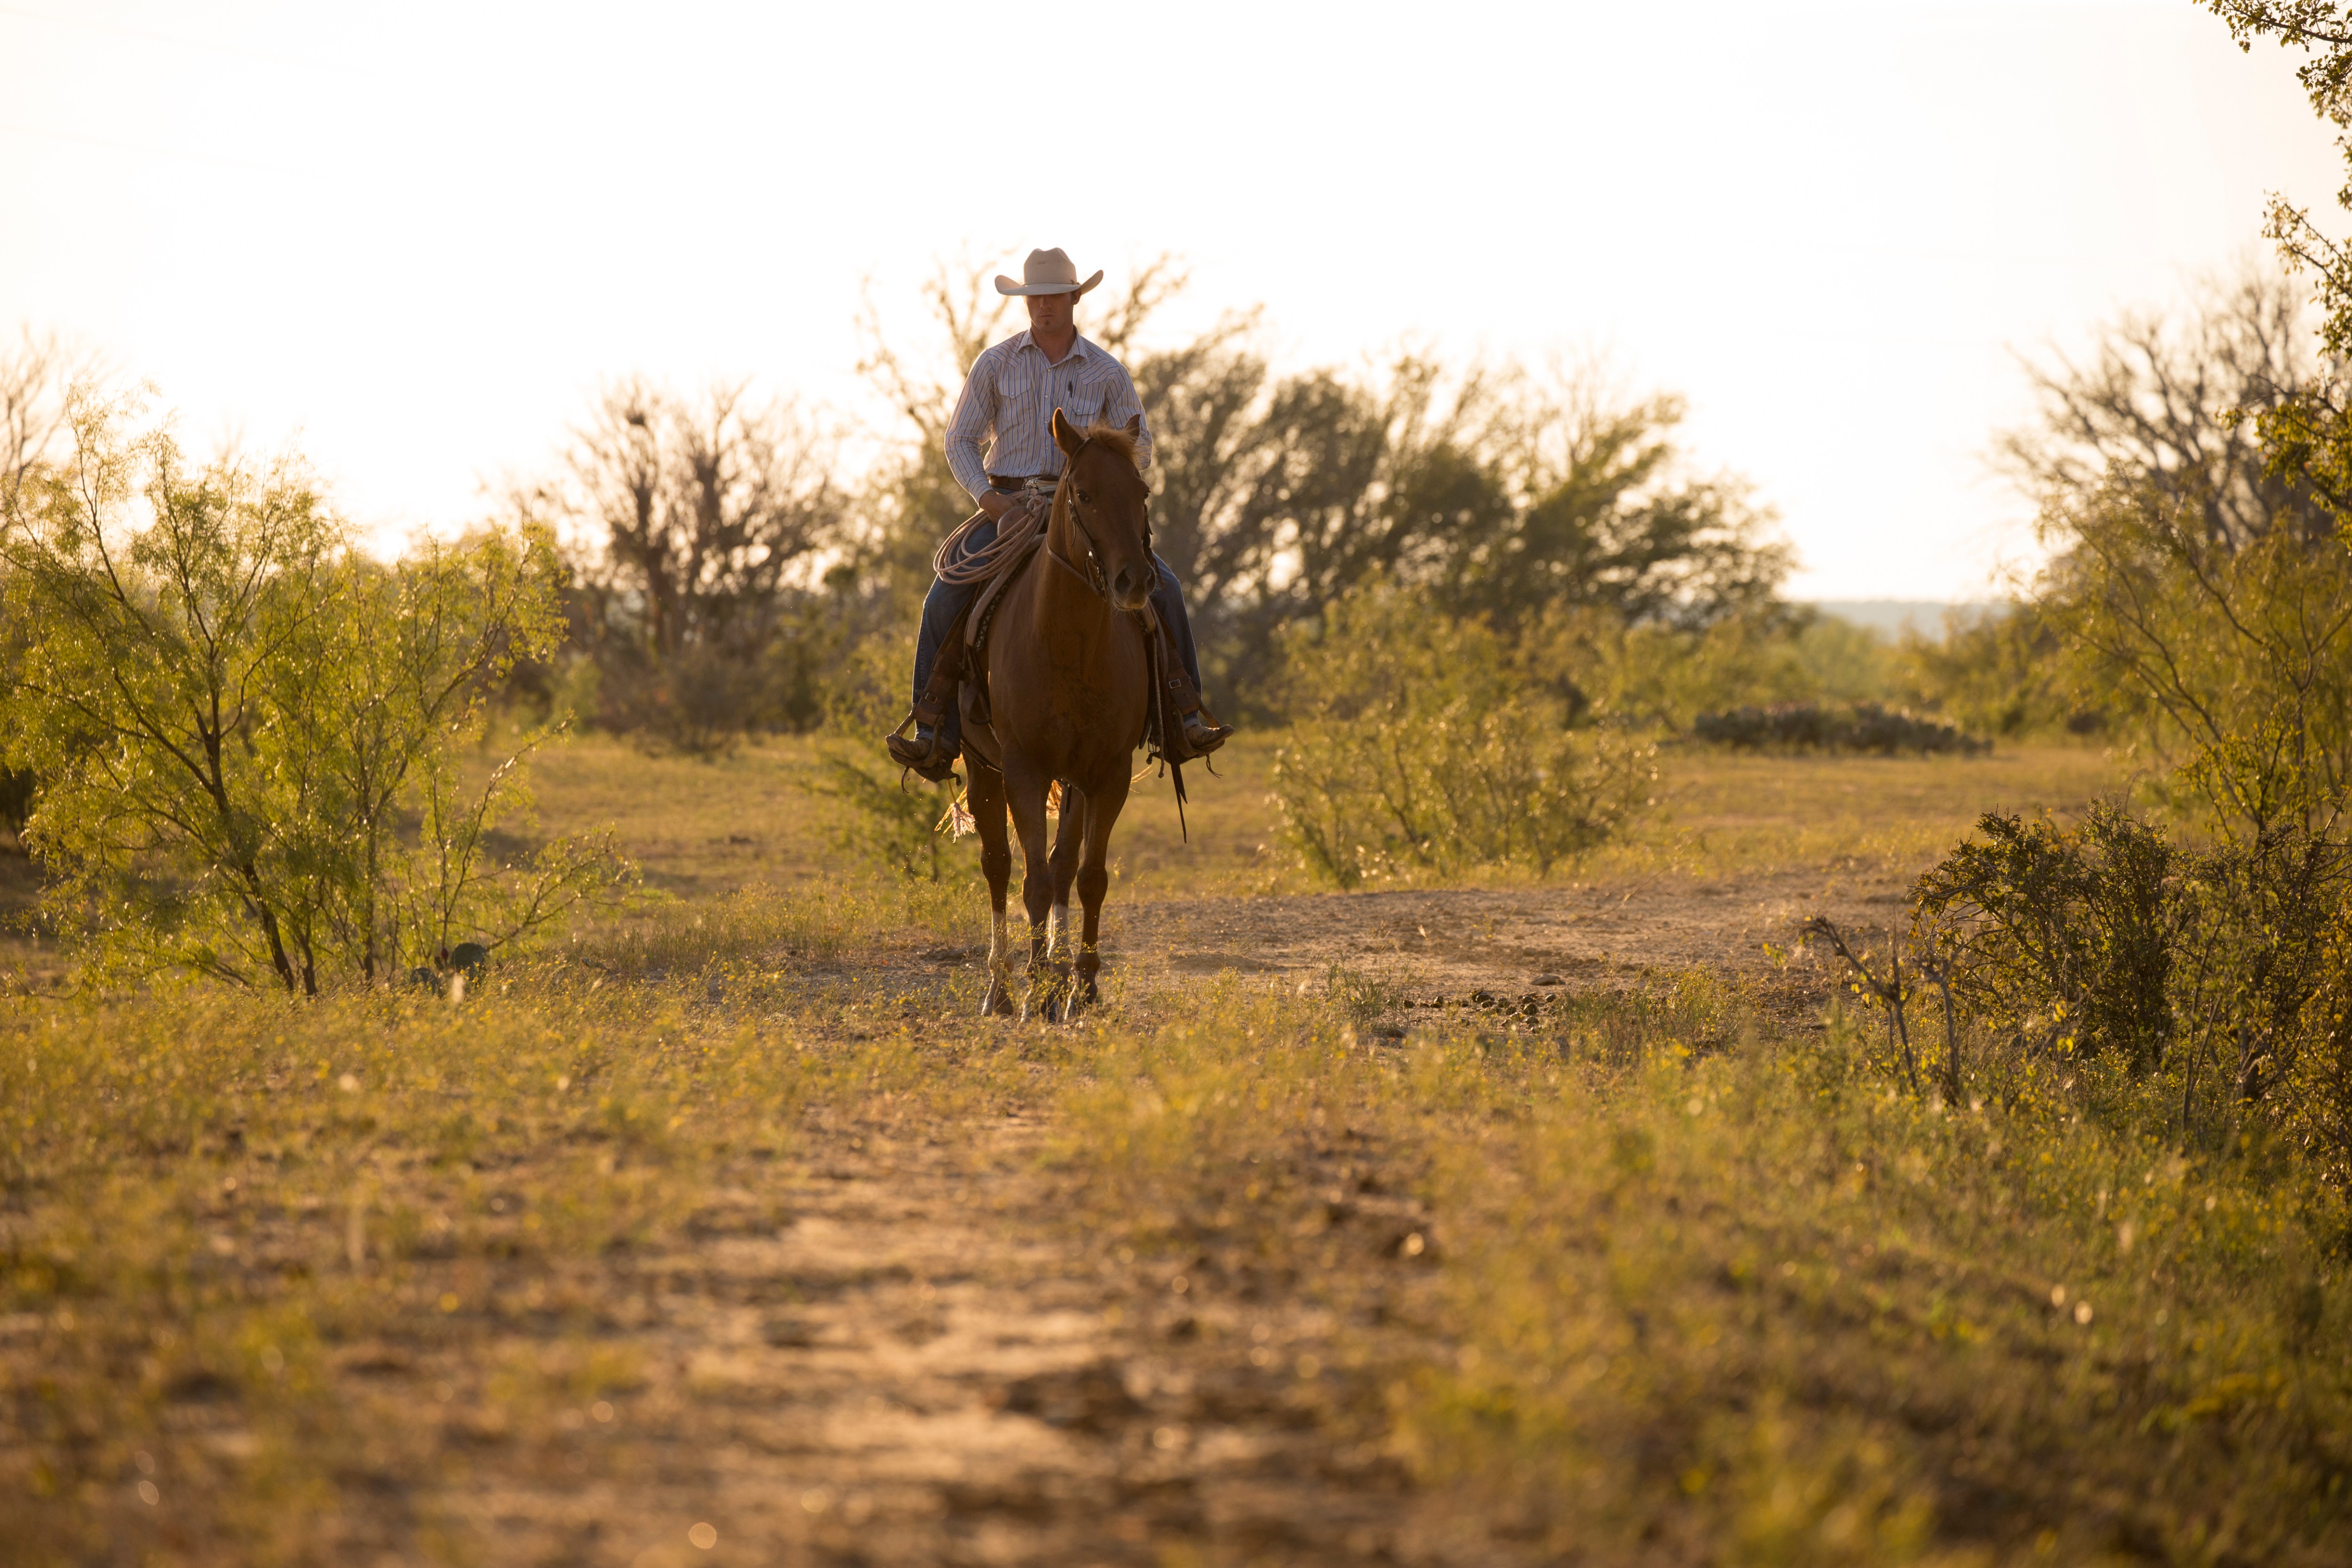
974,418
1120,405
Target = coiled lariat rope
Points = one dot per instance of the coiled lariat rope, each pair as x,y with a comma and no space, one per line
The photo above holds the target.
1015,532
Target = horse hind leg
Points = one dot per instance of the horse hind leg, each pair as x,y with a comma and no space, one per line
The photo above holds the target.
986,795
1025,797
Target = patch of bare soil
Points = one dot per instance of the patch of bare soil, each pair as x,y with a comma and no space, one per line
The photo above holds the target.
897,1357
1453,944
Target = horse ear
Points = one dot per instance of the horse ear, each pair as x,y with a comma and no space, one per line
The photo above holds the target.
1067,439
1135,426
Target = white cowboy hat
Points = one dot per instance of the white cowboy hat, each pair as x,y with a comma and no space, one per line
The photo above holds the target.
1047,272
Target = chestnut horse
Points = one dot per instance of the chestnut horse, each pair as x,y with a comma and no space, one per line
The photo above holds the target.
1068,695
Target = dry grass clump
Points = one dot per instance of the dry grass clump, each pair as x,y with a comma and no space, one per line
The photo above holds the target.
1746,1302
818,922
239,1236
1640,1277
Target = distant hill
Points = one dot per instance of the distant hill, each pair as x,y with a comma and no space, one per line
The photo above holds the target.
1892,617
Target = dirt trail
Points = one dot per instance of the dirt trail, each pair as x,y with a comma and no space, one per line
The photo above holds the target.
911,1368
894,1355
1455,943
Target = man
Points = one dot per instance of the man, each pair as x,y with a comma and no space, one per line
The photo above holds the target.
1008,405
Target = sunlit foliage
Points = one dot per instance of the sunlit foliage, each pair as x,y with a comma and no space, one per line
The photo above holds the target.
1422,745
249,736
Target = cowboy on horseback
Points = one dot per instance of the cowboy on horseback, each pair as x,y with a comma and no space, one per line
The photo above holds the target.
1008,403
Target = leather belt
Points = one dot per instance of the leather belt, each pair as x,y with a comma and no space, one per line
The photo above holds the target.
1004,482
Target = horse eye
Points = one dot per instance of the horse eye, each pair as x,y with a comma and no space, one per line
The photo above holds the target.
1084,497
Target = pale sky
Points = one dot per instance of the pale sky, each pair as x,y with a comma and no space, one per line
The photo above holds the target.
412,239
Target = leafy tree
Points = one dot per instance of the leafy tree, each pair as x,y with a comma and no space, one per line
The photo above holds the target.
1504,499
33,377
701,512
2005,672
2237,662
2189,592
1208,440
2309,433
1606,515
1370,480
2172,406
2191,478
236,716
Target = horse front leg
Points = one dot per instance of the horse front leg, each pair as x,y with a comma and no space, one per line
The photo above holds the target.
1026,796
1094,884
1068,841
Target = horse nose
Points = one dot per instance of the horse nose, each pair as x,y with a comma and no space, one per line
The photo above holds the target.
1125,585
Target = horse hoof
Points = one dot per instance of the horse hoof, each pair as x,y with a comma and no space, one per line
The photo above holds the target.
999,1002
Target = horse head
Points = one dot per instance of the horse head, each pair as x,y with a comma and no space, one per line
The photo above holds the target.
1110,505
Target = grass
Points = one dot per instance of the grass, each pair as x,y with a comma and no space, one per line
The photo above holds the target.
1724,813
1746,1302
265,1260
702,829
1651,1277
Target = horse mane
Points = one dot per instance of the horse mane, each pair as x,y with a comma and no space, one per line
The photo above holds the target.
1116,438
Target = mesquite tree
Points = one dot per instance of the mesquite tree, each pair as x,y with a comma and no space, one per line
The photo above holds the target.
236,717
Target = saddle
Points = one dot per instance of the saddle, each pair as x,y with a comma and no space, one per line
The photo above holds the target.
971,638
960,673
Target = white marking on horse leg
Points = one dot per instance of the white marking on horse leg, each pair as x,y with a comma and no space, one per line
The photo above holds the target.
1057,931
1000,944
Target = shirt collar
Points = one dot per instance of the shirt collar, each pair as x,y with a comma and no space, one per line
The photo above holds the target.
1079,347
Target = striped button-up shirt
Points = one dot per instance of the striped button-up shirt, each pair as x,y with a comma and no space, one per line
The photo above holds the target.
1003,423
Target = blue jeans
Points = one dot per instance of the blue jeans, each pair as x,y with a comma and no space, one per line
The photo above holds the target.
946,601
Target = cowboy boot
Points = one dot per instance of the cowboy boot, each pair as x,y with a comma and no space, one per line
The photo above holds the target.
922,753
925,751
1203,734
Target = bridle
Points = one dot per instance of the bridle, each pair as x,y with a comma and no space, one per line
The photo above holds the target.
1093,576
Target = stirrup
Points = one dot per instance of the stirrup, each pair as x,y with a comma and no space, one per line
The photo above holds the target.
918,753
1201,734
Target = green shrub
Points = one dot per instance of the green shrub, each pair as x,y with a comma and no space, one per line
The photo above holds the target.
250,737
1862,727
2005,673
2071,934
1653,673
2223,968
1421,745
